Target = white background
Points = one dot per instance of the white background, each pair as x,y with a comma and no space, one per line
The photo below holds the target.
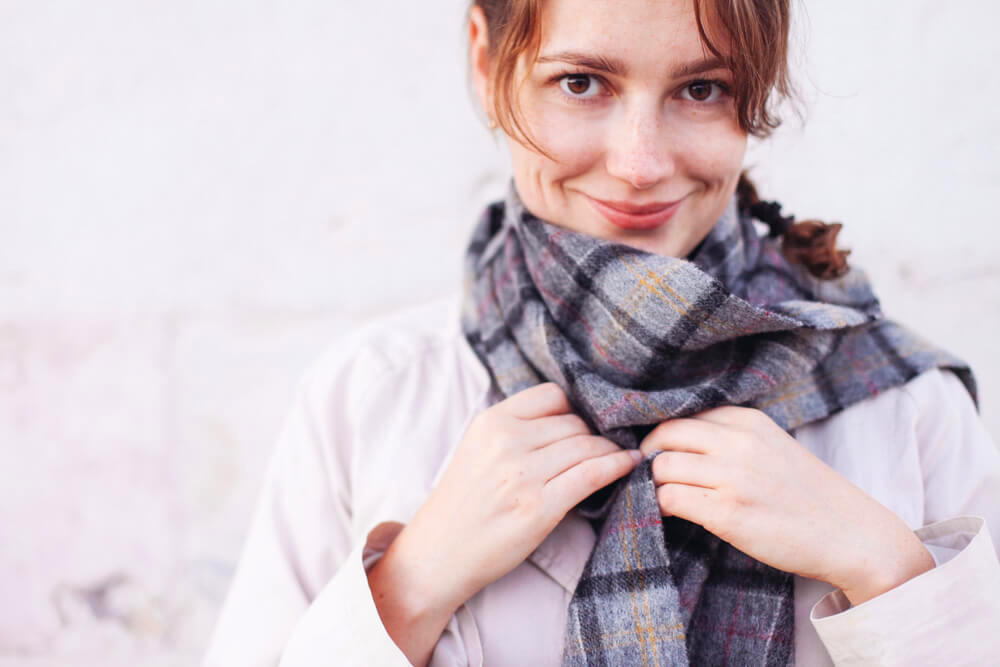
197,197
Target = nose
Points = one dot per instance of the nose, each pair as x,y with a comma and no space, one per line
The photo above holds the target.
638,150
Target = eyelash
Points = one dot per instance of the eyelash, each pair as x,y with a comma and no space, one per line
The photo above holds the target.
723,87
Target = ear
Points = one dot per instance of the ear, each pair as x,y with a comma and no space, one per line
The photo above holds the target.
479,59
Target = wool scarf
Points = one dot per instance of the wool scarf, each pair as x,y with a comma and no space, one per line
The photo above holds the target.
636,338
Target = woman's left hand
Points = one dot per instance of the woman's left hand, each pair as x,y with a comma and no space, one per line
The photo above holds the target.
743,478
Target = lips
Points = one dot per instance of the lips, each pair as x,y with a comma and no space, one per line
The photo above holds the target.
628,215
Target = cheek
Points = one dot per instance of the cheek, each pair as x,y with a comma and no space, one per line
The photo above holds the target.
715,154
573,139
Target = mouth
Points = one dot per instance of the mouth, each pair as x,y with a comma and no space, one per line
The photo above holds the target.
635,216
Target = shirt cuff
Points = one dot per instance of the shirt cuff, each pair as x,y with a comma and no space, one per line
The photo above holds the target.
459,644
342,625
947,615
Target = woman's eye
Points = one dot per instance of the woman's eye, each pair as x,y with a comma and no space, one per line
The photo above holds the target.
702,91
580,86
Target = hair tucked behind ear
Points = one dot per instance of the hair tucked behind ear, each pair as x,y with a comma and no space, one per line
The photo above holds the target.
810,242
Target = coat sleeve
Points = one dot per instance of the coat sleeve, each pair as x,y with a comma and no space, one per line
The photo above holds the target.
950,614
300,592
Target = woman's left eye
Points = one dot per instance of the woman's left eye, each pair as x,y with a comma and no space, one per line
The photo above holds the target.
580,86
702,91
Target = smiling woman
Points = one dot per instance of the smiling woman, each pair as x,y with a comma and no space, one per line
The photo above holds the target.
630,127
646,433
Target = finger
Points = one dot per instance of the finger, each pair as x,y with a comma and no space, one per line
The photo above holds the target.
560,456
547,430
688,435
693,503
686,468
566,490
732,415
541,400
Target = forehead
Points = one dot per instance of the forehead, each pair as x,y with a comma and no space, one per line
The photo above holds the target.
643,34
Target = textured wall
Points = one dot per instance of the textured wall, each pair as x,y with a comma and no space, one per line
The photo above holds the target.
191,194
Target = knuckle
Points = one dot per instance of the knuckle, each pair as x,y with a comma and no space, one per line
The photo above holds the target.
744,443
667,497
600,446
516,500
658,432
534,505
595,472
660,465
551,391
650,445
729,476
750,418
488,421
479,422
586,447
500,440
576,423
720,412
511,474
728,515
498,446
514,495
732,502
551,509
577,444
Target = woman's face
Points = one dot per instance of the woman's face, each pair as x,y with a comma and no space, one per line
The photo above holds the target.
638,118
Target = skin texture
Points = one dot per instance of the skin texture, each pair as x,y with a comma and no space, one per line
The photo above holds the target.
642,135
735,472
521,466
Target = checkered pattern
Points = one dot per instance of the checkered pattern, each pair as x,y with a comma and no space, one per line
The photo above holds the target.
635,339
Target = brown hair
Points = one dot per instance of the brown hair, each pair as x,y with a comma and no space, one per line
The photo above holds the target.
811,243
758,55
757,31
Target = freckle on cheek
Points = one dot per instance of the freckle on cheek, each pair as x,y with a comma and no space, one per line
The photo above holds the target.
571,147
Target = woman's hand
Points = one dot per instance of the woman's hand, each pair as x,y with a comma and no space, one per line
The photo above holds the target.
521,466
741,477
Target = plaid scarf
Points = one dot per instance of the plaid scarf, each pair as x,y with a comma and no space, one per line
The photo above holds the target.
635,339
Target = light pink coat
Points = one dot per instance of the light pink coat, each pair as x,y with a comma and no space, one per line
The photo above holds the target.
376,420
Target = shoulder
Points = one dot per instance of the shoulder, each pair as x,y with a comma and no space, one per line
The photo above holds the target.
394,394
392,344
392,340
938,389
882,443
933,396
931,392
408,367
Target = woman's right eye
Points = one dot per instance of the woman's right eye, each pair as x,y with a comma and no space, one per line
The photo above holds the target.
580,86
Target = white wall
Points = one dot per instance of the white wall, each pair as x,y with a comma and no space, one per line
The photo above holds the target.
195,197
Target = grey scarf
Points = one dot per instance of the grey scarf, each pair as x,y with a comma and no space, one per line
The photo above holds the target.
636,339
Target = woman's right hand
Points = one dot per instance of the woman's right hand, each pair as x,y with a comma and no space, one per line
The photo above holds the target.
520,467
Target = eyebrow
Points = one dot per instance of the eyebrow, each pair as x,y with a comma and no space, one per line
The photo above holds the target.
618,68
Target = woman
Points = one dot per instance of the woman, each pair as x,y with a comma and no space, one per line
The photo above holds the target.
444,490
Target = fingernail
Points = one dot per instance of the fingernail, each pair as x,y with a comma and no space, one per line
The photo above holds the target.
635,454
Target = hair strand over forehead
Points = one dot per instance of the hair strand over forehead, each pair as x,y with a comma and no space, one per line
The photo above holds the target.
757,32
758,55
